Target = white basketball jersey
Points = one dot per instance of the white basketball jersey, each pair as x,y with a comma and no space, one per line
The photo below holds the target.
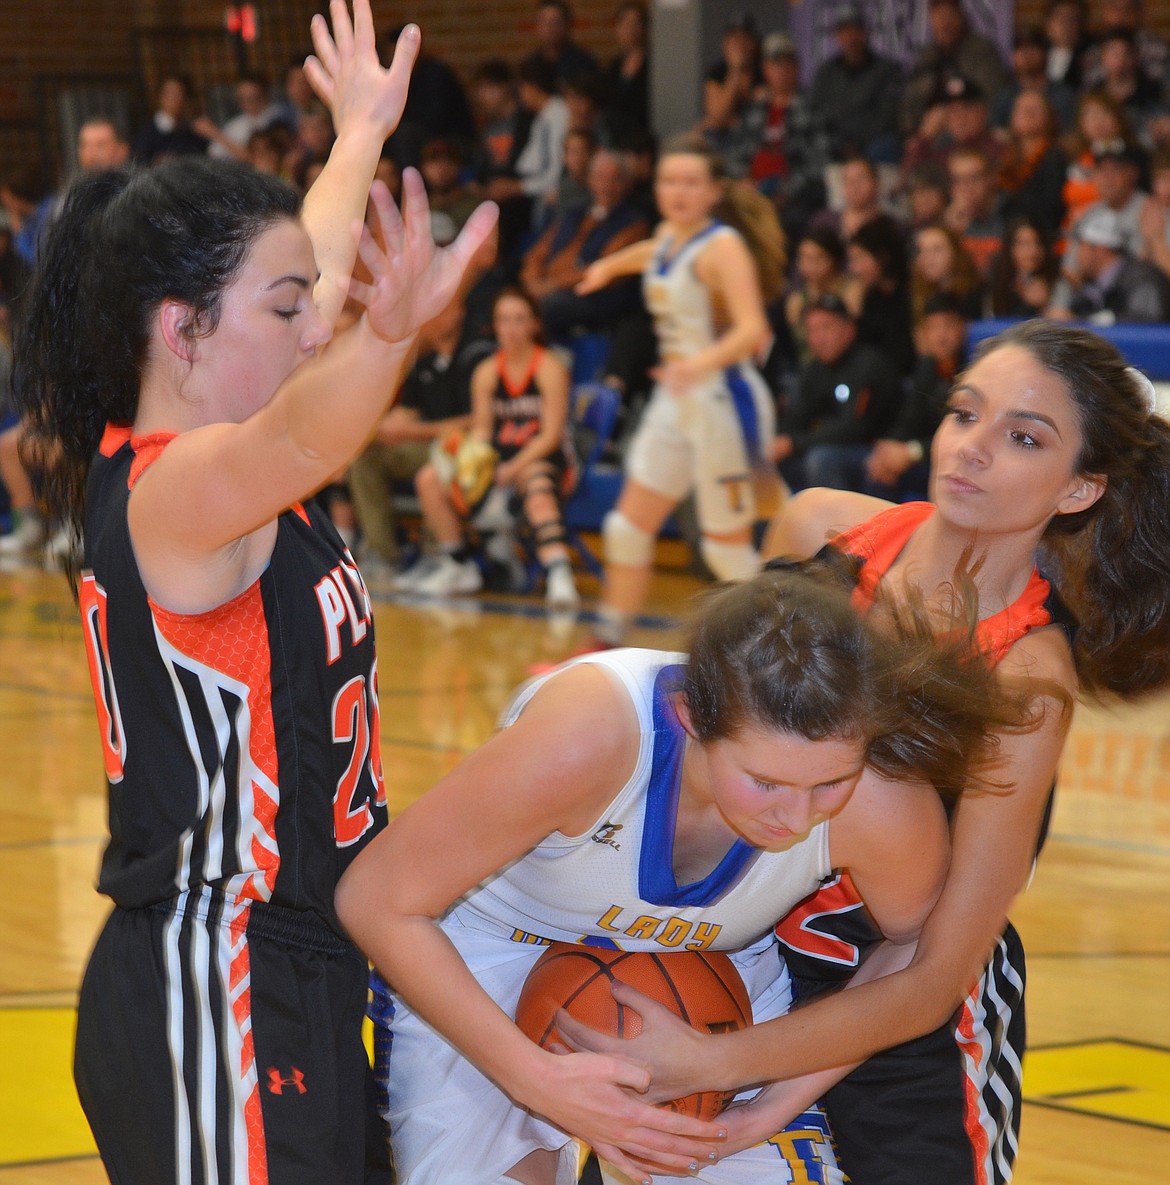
614,885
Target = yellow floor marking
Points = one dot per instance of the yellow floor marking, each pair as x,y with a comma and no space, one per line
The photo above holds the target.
1113,1079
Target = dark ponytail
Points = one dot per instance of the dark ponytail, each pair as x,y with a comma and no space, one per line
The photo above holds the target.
122,244
1111,562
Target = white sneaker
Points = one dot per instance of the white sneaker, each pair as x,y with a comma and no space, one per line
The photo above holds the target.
561,590
450,578
406,580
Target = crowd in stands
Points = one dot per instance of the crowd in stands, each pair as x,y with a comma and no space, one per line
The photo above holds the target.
905,203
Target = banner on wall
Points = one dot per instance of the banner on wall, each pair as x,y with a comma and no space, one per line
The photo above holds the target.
897,28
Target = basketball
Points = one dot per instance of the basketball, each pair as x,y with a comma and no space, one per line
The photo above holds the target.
701,987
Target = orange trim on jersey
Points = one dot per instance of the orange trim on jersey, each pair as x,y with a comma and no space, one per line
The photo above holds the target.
972,1109
514,392
233,640
299,510
114,436
879,541
147,450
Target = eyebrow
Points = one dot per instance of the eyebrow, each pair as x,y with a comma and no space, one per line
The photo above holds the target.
1013,414
300,281
845,777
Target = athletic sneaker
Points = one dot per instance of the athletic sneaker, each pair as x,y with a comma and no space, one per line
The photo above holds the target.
450,577
406,580
28,536
561,590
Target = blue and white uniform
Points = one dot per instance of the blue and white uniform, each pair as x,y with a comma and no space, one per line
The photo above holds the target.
613,885
712,436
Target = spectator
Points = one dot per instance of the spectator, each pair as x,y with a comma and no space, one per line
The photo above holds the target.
627,77
858,94
730,84
310,148
1124,80
820,270
781,144
959,119
435,400
555,264
296,98
268,150
877,258
1154,219
1033,168
1029,75
846,397
573,190
1100,121
1115,176
860,199
503,122
954,49
1109,285
898,466
584,96
943,266
928,194
1064,26
1153,54
169,131
974,212
1024,272
555,46
255,114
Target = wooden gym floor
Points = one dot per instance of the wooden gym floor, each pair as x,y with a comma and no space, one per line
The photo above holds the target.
1096,921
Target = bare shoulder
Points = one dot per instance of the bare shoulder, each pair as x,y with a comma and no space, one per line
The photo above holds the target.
884,816
809,519
1042,655
552,368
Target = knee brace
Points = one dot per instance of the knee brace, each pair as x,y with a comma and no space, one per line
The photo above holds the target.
626,543
730,561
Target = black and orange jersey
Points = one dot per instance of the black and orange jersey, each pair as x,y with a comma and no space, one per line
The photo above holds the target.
241,744
516,408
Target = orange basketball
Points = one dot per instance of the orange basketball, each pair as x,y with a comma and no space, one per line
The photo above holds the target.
702,987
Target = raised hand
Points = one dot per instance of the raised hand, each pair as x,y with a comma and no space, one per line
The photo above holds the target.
413,280
347,75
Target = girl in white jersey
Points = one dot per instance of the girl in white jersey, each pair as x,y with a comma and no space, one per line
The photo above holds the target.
710,416
629,794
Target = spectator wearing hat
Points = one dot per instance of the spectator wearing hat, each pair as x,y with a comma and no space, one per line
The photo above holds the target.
1115,175
1029,75
556,262
730,84
820,269
1109,285
954,48
847,396
781,143
960,119
858,94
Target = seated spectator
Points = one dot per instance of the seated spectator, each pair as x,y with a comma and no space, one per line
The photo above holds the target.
974,213
555,46
943,266
268,150
451,200
928,194
730,84
573,190
169,131
820,270
1115,178
846,398
898,465
504,124
1123,79
781,145
878,259
1109,285
554,265
1029,75
584,95
255,113
860,199
1064,28
858,94
1100,122
960,121
435,400
1154,219
295,98
1024,272
520,404
310,148
1153,53
627,77
1033,167
954,49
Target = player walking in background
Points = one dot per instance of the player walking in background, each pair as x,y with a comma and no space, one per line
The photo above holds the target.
631,794
177,371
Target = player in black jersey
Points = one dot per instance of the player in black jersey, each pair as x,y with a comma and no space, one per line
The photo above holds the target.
1051,472
179,372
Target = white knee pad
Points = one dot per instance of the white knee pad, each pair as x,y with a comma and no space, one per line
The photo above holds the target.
624,542
730,561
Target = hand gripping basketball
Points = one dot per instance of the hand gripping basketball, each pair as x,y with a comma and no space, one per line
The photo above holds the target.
703,988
